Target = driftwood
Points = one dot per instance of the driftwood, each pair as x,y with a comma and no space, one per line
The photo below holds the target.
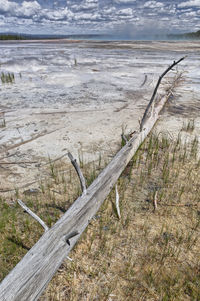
32,274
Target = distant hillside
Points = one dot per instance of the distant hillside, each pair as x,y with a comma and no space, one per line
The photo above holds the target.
193,35
189,35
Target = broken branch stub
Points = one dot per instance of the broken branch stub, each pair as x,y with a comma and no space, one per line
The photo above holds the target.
155,204
117,201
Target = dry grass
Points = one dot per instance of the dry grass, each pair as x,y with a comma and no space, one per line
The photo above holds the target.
146,255
18,231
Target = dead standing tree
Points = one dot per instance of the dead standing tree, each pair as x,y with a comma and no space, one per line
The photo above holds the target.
32,274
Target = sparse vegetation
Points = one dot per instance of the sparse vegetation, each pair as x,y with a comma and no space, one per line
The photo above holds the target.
146,255
7,78
2,120
188,126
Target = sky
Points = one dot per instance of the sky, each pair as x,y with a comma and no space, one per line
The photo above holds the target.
128,18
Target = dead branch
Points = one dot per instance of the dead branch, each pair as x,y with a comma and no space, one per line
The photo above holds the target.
117,202
155,205
66,112
79,172
180,205
38,219
155,91
144,82
35,216
124,138
57,159
22,162
29,140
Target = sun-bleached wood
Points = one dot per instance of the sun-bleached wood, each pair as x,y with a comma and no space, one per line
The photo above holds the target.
79,173
35,216
29,278
155,204
117,201
156,89
124,138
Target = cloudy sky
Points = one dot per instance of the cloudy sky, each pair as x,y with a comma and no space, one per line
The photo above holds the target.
123,17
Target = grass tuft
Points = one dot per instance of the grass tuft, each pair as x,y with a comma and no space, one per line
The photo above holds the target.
7,78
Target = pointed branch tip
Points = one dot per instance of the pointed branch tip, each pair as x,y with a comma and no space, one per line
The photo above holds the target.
79,173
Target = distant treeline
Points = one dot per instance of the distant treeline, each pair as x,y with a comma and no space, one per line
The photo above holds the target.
23,36
18,36
190,35
193,35
11,37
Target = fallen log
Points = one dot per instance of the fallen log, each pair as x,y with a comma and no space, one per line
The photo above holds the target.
32,274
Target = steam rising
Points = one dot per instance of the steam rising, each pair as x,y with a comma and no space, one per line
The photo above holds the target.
138,31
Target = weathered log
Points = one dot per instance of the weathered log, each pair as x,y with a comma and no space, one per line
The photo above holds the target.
31,275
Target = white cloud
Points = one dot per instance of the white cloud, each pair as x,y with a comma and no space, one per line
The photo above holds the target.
153,4
66,16
59,14
7,6
165,19
189,3
125,12
26,9
87,16
124,1
109,10
190,14
86,5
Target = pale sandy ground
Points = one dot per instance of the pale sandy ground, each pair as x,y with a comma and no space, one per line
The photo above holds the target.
102,94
